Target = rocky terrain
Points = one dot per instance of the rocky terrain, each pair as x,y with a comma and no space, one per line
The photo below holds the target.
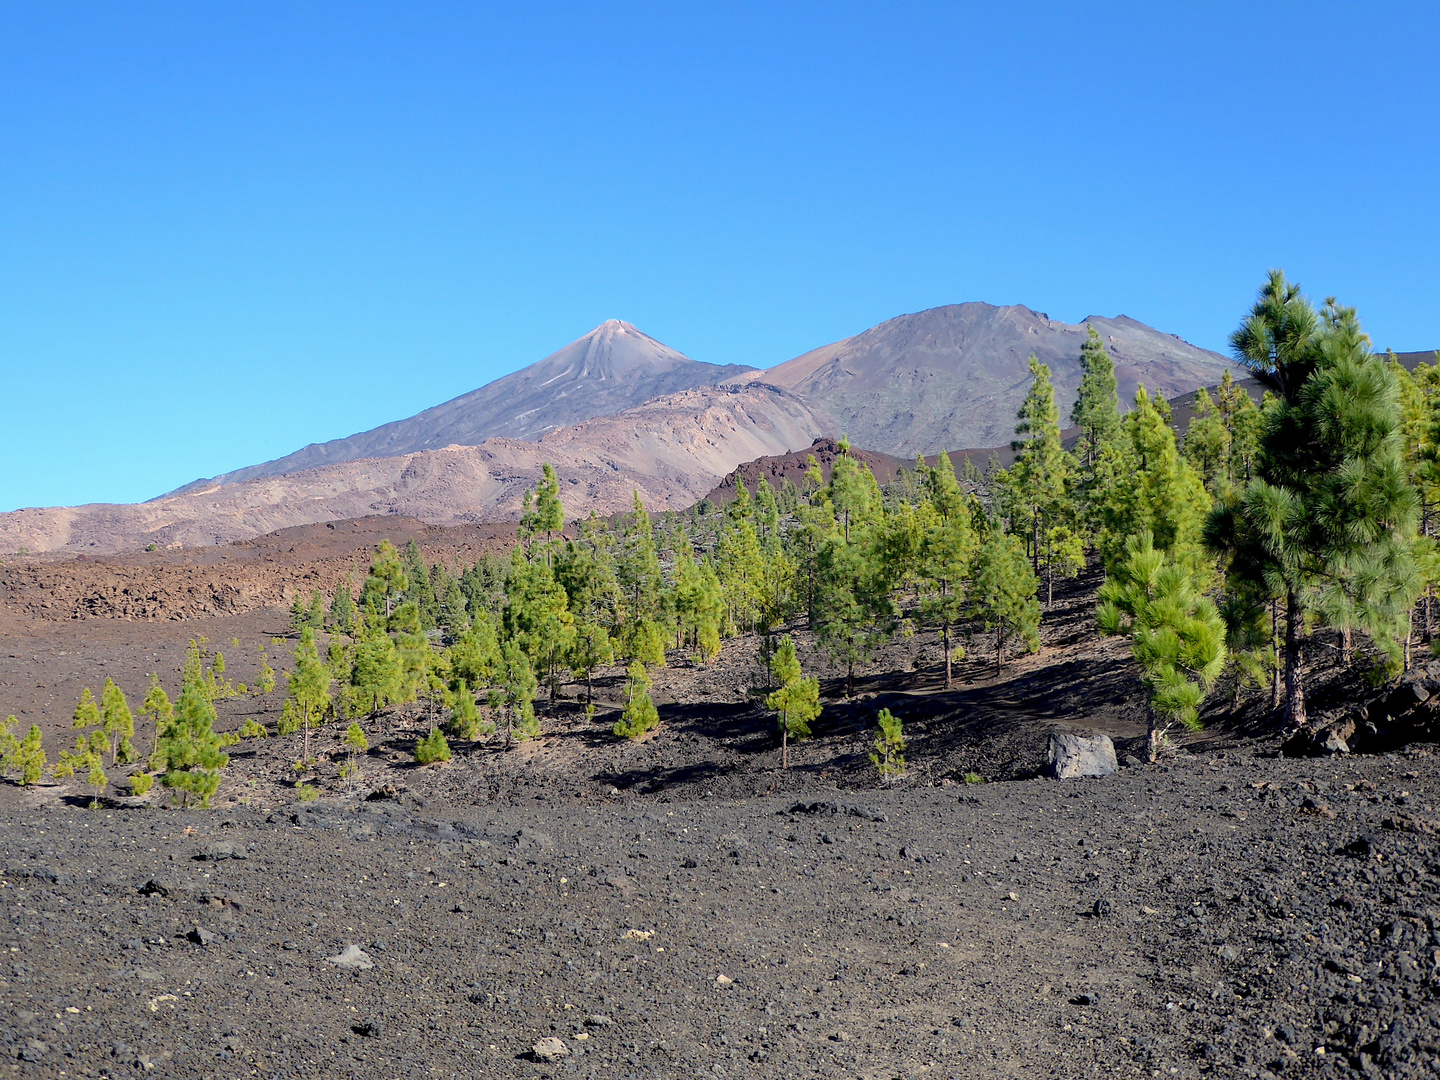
681,906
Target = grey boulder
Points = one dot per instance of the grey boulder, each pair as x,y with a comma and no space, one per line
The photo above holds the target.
1072,755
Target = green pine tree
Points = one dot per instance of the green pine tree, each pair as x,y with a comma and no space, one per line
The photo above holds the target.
1327,525
25,756
1003,595
519,694
342,607
1097,407
889,754
310,687
947,555
639,714
795,701
118,723
432,749
1177,636
190,754
386,582
1207,444
376,679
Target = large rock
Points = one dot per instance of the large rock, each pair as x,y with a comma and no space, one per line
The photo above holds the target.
1072,755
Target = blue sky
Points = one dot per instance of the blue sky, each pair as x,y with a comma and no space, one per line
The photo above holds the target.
227,230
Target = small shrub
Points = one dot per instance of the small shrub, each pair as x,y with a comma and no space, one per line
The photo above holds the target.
253,730
889,755
432,748
974,778
307,792
141,783
640,714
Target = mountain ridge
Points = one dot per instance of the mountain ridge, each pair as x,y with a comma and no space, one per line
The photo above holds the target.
612,368
955,375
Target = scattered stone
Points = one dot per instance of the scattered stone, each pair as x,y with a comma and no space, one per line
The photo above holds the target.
724,980
352,957
549,1050
1409,823
384,791
1316,809
598,1020
156,887
1103,908
637,935
1071,755
1362,847
221,851
1091,998
202,937
367,1029
32,1050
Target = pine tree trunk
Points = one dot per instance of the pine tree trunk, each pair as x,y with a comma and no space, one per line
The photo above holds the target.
1275,644
1347,646
1152,739
1409,633
1294,681
999,651
784,741
945,636
850,678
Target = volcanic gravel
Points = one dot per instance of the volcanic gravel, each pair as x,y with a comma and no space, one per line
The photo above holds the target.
1237,914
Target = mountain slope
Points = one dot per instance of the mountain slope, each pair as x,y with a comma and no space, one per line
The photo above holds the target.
612,368
672,450
955,376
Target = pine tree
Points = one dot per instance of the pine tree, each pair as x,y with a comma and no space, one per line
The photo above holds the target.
355,744
1207,444
342,607
520,688
376,679
1327,525
451,613
265,678
315,617
740,565
158,708
1097,407
1177,635
699,603
412,651
386,582
1003,594
1043,472
853,612
420,591
23,755
432,749
538,617
86,717
1153,489
889,754
118,723
549,513
310,687
591,648
796,701
641,585
947,554
639,714
190,754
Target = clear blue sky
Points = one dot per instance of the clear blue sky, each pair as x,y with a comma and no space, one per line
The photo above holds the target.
227,230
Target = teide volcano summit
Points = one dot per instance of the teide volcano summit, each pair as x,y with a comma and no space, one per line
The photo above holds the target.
612,368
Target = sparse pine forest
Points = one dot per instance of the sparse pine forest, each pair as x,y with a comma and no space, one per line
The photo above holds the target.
1306,508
